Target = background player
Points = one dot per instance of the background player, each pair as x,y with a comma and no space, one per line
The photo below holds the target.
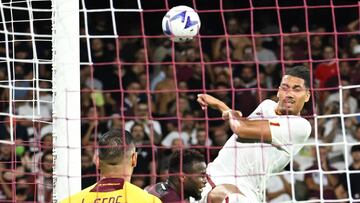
189,184
116,159
261,144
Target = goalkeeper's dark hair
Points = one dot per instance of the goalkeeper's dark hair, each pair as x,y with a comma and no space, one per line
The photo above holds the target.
187,158
300,72
114,146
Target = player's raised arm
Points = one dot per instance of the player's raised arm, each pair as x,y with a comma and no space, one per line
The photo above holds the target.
206,100
247,129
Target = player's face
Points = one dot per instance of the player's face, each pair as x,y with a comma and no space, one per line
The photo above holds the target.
292,95
195,181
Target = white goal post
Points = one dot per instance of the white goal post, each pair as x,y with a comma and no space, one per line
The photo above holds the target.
66,95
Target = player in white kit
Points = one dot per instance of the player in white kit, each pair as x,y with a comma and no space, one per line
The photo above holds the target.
262,143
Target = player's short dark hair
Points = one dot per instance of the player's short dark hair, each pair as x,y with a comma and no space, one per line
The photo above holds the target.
114,145
188,156
300,72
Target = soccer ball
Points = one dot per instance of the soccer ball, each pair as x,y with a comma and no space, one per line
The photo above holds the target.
181,23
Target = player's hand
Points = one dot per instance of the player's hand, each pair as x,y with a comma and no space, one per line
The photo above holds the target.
206,100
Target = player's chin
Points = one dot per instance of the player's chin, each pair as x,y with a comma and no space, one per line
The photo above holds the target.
287,110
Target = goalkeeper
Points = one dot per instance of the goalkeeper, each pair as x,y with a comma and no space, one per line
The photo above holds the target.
116,159
261,144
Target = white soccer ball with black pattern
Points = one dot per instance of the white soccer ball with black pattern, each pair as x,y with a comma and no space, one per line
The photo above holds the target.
181,23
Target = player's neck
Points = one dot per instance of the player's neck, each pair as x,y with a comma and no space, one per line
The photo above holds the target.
117,171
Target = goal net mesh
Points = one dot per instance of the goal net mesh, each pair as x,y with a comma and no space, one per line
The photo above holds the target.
134,78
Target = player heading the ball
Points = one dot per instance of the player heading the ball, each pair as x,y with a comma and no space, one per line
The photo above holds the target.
262,143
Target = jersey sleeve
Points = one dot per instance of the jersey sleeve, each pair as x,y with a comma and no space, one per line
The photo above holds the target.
258,113
288,132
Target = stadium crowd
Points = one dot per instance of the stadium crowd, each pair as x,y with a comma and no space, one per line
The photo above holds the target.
149,87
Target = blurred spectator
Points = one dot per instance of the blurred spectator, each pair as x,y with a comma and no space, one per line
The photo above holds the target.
350,105
355,73
196,80
88,169
202,144
355,177
24,191
20,133
129,46
165,153
162,50
185,132
151,127
146,157
88,80
219,138
236,43
245,76
341,189
313,179
316,48
166,89
264,55
45,100
92,99
326,70
115,122
353,26
184,93
98,51
180,108
356,133
29,107
91,127
345,69
221,91
45,178
23,79
46,143
159,73
132,98
297,43
246,80
5,187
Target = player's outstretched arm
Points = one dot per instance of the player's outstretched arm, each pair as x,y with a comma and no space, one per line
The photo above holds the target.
247,129
206,100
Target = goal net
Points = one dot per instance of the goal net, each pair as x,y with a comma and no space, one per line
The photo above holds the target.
130,76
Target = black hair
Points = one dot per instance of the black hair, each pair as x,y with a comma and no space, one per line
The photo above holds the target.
113,146
355,148
189,157
300,72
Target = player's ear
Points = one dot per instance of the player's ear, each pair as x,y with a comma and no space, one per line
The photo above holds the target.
96,159
134,159
307,95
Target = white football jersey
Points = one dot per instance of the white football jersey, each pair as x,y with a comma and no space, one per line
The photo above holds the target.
247,163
